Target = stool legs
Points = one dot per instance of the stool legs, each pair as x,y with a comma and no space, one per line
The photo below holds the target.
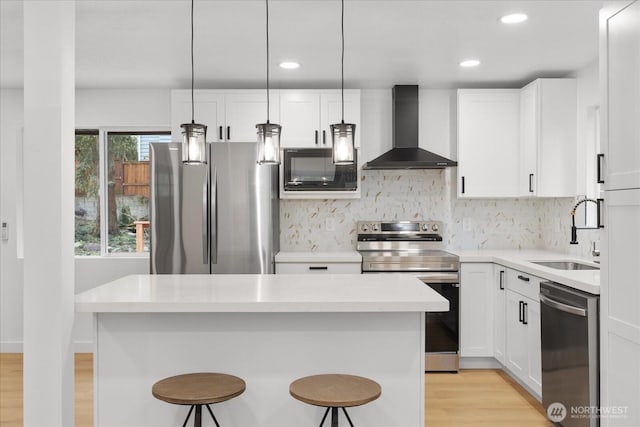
334,417
197,422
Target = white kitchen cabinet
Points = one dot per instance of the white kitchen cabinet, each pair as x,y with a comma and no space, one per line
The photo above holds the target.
516,338
476,309
318,268
231,116
488,142
621,134
534,346
499,314
548,138
306,116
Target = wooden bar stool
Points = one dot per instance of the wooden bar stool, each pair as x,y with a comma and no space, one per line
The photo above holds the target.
335,391
198,389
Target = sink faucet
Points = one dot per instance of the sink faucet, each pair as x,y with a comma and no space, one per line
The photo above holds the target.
574,230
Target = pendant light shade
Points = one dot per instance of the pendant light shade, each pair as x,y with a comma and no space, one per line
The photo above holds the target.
194,149
268,133
268,143
194,135
343,134
343,137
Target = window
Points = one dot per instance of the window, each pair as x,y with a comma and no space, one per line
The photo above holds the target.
112,182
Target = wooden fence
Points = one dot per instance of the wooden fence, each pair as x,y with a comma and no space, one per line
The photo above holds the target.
131,178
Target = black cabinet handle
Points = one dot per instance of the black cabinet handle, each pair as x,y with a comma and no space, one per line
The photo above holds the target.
228,133
501,279
599,158
316,137
324,137
521,277
463,185
220,133
524,313
318,267
599,213
530,183
520,315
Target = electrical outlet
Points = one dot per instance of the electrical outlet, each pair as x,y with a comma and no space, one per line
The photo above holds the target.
5,232
330,224
467,224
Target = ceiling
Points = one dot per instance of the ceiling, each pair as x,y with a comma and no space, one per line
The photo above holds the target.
145,43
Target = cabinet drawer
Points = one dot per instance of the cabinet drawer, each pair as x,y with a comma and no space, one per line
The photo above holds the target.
523,283
318,268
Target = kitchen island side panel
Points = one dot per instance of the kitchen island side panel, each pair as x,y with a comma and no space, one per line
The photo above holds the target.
267,350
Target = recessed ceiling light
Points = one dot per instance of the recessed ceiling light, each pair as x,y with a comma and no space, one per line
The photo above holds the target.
470,63
289,65
514,18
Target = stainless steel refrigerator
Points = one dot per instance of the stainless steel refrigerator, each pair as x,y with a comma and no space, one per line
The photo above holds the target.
219,218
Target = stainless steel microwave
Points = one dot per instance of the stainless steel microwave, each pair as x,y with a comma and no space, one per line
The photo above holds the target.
312,170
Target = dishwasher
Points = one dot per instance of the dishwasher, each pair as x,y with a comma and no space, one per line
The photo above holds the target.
570,355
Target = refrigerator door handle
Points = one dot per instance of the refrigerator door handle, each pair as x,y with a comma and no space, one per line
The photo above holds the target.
205,222
214,217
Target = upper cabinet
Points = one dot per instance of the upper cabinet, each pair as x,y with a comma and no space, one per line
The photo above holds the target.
518,142
230,116
306,116
621,132
548,138
488,139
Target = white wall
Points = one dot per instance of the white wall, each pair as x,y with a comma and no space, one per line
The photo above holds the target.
106,108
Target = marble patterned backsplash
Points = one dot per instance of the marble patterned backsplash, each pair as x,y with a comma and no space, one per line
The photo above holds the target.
430,195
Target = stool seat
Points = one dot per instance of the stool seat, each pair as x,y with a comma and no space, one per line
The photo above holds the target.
335,390
198,388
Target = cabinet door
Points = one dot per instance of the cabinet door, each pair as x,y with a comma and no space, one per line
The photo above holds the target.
208,110
488,142
516,355
244,110
331,113
534,347
300,118
619,302
622,152
476,310
528,139
499,314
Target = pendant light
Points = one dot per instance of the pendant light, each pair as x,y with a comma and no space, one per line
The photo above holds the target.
193,134
343,134
268,133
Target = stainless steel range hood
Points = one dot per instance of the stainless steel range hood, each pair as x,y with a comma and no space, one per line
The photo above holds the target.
405,153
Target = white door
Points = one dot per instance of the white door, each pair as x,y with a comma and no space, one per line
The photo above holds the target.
499,314
488,142
528,139
476,310
619,302
208,110
244,110
516,355
622,152
534,346
300,118
331,113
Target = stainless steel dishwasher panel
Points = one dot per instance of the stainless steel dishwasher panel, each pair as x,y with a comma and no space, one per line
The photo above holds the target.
570,362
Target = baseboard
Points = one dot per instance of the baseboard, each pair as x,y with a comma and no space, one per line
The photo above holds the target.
479,363
18,347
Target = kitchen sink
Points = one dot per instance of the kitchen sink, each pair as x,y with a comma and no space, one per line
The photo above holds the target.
566,265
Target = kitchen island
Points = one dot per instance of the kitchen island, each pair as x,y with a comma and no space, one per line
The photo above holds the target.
268,330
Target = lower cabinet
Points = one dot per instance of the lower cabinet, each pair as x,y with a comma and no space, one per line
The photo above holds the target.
318,268
476,313
499,314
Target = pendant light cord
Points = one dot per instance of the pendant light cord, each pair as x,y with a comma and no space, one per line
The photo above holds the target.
342,71
267,14
192,74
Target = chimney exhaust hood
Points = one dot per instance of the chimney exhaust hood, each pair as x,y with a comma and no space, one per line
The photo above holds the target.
405,153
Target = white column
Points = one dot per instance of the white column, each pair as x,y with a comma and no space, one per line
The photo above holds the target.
49,104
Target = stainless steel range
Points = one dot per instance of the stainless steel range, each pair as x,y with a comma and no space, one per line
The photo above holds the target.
415,248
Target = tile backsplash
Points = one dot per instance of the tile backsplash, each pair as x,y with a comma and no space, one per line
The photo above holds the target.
330,225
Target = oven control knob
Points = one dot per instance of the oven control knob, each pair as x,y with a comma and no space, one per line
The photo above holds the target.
425,227
364,228
434,227
375,227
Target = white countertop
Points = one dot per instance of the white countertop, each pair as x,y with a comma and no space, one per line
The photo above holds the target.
322,257
262,293
583,280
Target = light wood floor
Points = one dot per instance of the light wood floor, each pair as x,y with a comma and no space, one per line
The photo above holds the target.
470,398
